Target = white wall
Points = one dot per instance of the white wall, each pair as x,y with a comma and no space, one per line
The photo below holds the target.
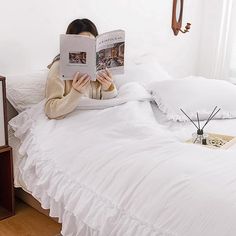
30,31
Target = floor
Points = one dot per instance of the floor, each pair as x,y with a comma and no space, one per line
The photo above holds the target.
28,222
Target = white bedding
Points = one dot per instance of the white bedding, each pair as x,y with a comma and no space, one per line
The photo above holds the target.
119,172
14,142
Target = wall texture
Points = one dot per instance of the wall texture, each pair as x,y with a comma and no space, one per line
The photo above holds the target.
30,31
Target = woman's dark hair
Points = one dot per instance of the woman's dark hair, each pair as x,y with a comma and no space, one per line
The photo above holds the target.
82,25
76,27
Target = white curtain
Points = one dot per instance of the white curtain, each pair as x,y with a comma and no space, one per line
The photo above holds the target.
233,60
216,40
223,49
232,65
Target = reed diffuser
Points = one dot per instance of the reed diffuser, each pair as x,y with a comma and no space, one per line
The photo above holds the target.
199,136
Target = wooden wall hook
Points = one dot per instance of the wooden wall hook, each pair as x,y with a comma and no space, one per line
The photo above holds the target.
177,17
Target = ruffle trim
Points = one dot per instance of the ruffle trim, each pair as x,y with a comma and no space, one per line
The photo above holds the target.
171,115
81,211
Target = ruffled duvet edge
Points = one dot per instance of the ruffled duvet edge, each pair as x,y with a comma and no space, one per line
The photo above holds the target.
81,212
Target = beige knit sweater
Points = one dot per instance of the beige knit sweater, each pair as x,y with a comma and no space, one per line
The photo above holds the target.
62,98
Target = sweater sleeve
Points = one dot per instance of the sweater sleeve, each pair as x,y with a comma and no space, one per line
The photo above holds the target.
110,93
57,104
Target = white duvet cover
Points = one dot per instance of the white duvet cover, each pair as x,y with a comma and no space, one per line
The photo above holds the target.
118,172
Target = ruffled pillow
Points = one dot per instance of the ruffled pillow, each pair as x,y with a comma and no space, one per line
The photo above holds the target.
194,94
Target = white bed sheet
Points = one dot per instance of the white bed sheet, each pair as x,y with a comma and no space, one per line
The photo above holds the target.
119,172
14,142
159,115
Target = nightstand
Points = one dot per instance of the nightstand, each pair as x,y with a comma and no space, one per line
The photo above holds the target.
6,183
6,163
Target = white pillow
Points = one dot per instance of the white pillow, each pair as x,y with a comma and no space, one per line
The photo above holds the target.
25,90
194,94
142,70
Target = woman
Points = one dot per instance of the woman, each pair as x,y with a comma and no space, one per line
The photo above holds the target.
62,97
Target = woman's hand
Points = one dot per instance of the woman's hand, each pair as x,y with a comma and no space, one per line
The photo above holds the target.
105,79
80,82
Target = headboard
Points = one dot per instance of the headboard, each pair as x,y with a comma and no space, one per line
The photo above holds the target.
11,111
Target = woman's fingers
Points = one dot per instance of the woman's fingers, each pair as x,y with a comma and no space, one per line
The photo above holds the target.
79,77
100,79
103,80
105,76
82,78
80,81
85,82
108,73
76,77
105,84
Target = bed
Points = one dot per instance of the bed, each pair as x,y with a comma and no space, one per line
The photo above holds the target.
20,190
123,168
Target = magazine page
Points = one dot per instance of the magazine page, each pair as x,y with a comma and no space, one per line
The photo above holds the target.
77,53
110,50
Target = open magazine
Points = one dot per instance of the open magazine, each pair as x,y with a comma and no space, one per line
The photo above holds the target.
88,55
